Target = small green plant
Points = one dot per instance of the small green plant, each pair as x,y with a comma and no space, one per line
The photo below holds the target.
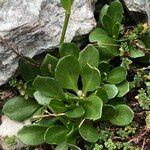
71,95
10,141
112,139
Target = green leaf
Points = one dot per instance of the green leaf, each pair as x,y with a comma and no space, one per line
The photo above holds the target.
56,134
20,109
117,75
108,112
77,112
85,56
108,24
88,132
91,78
67,72
28,69
115,11
48,65
93,106
111,90
96,34
57,106
49,87
116,29
42,99
104,66
69,49
104,41
102,94
102,13
135,53
123,88
105,54
124,115
32,134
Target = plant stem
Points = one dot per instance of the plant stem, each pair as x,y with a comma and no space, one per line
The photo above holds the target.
66,21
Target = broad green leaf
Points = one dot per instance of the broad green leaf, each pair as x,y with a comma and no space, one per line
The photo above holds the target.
104,41
102,13
57,106
111,90
88,132
48,65
42,99
102,94
56,134
105,54
104,66
93,106
28,69
76,112
108,112
69,49
91,78
66,4
124,115
85,56
108,24
96,34
32,134
115,11
117,75
135,53
123,88
67,72
47,122
49,87
20,109
116,29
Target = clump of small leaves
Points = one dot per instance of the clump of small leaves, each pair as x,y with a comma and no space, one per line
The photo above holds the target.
20,86
112,139
10,141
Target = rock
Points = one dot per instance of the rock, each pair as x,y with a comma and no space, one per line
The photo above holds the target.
8,132
32,27
142,6
136,5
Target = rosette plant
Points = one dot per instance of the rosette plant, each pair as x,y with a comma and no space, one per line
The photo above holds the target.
69,96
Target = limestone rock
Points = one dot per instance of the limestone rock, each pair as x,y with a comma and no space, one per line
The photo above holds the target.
136,5
34,26
9,129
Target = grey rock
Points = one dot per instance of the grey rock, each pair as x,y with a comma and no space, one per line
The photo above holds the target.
139,6
34,26
9,129
136,5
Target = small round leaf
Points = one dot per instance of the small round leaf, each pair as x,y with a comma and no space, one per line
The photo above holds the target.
88,132
124,115
117,75
32,135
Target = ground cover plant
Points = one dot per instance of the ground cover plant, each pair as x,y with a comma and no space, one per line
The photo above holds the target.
69,96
